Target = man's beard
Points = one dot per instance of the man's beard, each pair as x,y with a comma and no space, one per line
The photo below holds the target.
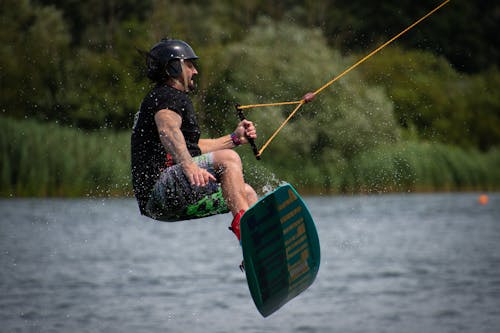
192,85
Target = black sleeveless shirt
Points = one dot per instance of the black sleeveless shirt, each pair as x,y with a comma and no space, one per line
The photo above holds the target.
149,156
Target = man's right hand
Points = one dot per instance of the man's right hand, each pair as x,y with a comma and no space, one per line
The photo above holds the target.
197,176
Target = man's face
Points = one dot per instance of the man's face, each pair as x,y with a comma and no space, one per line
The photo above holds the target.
189,71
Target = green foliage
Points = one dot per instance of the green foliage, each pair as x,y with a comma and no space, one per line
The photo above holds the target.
34,45
90,87
413,166
462,30
95,23
106,93
75,63
437,101
47,159
40,160
483,103
279,62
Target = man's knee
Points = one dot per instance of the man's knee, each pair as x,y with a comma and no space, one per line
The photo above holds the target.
227,158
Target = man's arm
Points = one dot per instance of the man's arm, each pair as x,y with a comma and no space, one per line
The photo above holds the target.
244,130
168,124
209,145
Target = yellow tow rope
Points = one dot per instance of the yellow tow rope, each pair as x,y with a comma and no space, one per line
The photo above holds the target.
302,102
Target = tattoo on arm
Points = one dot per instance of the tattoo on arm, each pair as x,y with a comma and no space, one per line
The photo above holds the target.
168,123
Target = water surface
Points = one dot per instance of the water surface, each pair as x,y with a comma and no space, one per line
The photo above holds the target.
390,263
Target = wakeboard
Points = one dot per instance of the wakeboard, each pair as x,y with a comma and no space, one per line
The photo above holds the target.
281,249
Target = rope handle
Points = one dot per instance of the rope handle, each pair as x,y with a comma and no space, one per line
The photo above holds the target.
251,141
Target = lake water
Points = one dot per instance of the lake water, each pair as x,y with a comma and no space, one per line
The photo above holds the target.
390,263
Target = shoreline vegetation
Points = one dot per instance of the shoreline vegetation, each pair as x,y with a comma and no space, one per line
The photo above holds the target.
419,116
49,160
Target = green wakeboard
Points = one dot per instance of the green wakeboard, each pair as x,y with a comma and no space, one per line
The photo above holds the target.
280,248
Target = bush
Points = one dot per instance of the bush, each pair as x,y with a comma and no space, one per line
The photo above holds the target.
435,99
281,62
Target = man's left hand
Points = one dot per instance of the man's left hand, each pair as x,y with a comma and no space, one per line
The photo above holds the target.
246,129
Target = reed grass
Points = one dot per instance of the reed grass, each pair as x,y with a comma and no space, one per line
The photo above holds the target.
49,160
414,166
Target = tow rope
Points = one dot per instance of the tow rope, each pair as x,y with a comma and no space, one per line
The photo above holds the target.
240,108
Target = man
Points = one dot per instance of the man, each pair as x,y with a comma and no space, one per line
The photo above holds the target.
175,174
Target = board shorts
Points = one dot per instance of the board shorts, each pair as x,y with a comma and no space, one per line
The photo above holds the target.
173,198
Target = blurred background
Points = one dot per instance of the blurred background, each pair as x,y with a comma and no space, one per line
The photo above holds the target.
422,115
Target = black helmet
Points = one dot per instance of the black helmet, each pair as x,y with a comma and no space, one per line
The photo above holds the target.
164,58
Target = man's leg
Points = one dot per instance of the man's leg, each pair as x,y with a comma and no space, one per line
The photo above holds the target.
239,196
174,199
252,196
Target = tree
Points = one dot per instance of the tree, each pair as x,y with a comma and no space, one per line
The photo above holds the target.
94,23
464,31
440,103
281,62
483,103
106,87
34,45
